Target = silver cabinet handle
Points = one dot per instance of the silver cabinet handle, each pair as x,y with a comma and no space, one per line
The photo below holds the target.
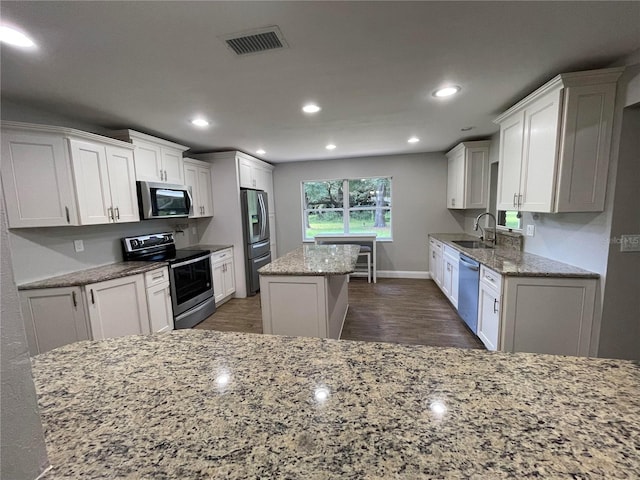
66,211
93,300
515,195
161,175
117,213
165,176
74,299
519,201
110,213
495,302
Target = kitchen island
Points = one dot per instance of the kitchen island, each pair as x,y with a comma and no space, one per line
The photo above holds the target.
204,404
305,292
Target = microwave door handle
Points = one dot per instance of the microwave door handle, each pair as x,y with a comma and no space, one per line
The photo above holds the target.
189,201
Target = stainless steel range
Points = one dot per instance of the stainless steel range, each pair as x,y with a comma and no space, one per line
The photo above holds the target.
189,275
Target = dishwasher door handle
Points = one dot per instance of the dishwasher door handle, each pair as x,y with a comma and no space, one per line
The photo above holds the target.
470,266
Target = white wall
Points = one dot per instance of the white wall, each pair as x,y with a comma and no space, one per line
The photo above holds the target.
418,195
22,447
620,332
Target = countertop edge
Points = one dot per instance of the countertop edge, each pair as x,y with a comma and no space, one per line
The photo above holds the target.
582,273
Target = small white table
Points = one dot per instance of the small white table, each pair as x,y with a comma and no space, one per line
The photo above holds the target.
361,239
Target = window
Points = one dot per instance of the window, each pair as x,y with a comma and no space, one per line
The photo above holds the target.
510,219
347,206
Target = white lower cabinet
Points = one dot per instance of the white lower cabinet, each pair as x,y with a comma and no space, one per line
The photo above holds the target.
224,284
435,261
450,274
53,317
159,300
548,315
489,300
118,307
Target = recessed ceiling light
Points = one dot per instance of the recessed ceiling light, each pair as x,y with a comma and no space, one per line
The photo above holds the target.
200,122
260,152
311,108
331,146
446,91
413,140
15,37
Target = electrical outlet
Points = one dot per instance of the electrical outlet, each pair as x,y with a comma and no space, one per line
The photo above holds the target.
78,245
630,243
531,230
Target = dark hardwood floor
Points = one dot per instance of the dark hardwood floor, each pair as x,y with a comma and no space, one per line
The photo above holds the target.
392,310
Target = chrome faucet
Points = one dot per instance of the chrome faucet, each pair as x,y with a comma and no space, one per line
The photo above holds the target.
476,225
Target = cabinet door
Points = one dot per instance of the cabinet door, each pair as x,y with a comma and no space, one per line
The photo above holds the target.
489,317
122,183
160,308
455,180
148,161
91,176
37,180
447,277
538,171
510,161
218,280
245,172
263,180
476,174
53,317
191,179
172,166
439,269
204,191
229,278
118,307
455,275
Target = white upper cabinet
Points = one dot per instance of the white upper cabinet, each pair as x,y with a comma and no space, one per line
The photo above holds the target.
54,176
156,160
468,175
36,178
554,145
197,175
105,182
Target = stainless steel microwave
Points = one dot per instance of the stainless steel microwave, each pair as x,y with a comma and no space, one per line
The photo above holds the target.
164,200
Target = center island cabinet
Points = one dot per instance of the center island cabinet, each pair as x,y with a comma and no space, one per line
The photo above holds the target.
305,292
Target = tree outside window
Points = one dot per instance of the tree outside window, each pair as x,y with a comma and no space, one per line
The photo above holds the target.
347,206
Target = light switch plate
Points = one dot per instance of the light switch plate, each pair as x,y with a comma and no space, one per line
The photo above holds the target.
78,245
630,243
531,230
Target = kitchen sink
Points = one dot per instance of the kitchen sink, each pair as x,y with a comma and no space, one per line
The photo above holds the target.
471,244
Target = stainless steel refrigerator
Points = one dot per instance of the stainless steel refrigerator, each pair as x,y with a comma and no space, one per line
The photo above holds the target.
255,221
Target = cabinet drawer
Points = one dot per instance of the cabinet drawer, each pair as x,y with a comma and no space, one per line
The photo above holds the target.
155,277
451,253
435,244
490,278
221,255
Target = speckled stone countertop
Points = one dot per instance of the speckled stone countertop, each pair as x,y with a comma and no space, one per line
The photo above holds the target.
514,263
93,275
315,260
203,404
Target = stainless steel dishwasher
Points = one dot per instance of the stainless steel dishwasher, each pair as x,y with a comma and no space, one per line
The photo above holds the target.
469,279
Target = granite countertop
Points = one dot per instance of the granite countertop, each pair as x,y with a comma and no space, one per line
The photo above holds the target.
204,404
93,275
315,260
513,262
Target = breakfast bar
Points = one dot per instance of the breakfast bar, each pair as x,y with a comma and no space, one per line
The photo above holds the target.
205,404
305,292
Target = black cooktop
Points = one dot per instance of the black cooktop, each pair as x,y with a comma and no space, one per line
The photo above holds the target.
158,247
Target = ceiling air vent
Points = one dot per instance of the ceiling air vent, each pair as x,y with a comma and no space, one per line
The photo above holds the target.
256,41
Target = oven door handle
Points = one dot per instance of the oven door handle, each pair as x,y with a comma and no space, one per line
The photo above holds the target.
188,262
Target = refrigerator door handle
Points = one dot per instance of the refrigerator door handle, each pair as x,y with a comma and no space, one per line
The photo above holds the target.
263,223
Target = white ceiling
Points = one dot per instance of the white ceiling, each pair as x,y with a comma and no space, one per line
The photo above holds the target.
372,66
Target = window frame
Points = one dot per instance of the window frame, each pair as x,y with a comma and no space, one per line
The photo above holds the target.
346,208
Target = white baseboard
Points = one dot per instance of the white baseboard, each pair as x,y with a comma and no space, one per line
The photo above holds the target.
403,274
